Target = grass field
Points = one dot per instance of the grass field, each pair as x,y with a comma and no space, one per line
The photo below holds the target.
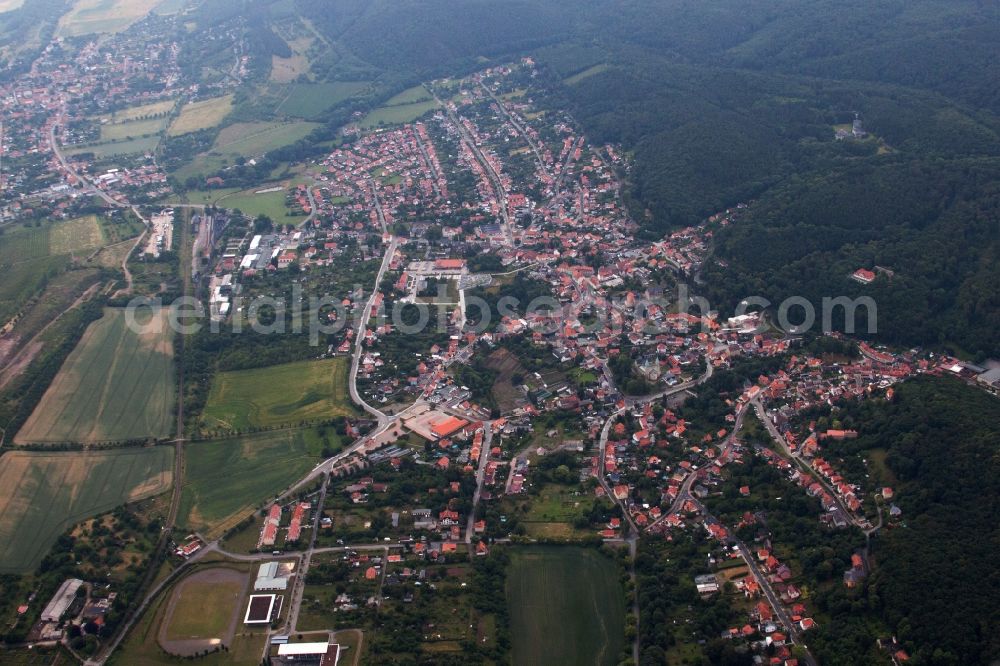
99,16
141,646
204,604
271,204
45,493
226,479
26,264
284,394
137,112
566,606
396,115
104,149
409,96
245,140
132,128
117,384
201,115
308,100
81,234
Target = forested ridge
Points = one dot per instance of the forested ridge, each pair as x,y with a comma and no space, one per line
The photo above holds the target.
937,586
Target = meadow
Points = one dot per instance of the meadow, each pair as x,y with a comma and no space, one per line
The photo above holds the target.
309,100
118,131
566,606
45,493
201,115
227,479
409,96
143,111
143,144
245,140
117,384
396,115
81,234
26,265
285,394
256,202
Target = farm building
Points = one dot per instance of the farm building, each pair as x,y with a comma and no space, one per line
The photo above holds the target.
61,600
323,654
273,576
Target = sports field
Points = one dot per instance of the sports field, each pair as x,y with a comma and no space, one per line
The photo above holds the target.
46,493
98,16
201,115
117,384
226,479
205,606
566,606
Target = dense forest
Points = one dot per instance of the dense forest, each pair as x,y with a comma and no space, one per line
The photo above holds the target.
937,585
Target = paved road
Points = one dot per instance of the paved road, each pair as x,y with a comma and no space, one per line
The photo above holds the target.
776,435
496,184
484,456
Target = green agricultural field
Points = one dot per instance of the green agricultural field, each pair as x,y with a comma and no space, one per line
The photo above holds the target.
278,395
259,202
26,265
226,479
308,100
45,493
396,115
117,384
566,606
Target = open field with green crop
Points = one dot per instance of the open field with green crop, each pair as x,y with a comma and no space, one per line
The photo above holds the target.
308,100
201,115
132,128
100,16
277,395
226,479
117,384
26,264
566,606
45,493
396,115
